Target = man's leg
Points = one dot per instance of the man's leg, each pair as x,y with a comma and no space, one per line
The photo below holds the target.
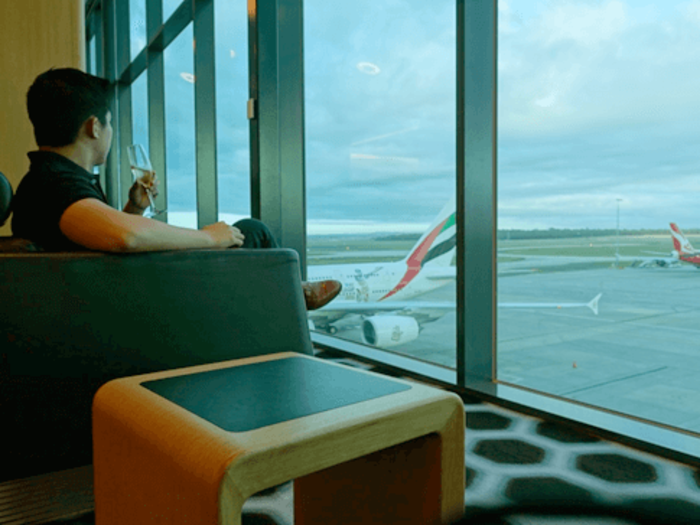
256,234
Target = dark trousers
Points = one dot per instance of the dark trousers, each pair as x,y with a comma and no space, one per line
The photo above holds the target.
256,234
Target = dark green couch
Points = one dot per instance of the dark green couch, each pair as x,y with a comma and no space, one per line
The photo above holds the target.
69,322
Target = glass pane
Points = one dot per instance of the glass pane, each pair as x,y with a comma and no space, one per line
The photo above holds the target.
380,167
93,56
137,26
233,131
180,131
169,7
598,136
139,110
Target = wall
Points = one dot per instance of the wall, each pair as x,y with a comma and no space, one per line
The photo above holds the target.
35,35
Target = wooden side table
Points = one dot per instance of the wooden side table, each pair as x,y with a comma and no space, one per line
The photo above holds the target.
191,445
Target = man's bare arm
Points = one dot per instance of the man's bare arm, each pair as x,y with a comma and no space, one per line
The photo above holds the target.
97,226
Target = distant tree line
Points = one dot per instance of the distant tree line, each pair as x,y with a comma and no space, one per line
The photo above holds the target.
567,233
551,233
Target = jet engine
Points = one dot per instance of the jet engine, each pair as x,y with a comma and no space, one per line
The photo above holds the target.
385,331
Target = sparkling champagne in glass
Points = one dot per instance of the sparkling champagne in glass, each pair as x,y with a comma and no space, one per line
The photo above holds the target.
143,173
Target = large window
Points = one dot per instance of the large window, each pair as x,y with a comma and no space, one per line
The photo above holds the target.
568,292
380,171
196,130
598,135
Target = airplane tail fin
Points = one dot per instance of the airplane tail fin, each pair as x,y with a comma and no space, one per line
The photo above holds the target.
438,244
680,243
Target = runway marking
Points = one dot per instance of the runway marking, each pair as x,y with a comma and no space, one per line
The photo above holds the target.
605,383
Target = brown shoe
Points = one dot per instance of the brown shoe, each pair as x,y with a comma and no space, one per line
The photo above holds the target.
320,293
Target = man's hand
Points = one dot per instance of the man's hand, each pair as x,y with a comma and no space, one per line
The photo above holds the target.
224,235
138,197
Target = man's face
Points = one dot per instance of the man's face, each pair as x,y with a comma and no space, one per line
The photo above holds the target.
104,140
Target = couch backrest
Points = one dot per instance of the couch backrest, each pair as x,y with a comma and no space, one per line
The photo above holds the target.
70,322
147,312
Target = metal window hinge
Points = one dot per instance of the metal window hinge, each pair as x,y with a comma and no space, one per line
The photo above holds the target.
251,108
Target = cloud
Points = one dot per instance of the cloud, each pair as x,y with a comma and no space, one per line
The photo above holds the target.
584,65
585,23
508,20
691,11
597,101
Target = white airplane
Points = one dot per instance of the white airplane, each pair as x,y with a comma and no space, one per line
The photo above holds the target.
682,251
379,292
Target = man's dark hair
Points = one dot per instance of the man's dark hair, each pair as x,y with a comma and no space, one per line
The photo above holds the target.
60,100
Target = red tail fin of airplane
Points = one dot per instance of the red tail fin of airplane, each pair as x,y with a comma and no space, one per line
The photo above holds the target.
680,243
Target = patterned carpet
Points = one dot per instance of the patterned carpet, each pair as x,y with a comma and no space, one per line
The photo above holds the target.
512,458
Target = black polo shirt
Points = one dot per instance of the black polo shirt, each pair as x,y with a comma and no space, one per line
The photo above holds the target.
52,184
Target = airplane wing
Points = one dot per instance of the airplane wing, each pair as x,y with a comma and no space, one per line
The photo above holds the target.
401,321
592,304
358,308
338,308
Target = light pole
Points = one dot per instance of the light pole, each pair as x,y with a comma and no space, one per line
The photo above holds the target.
617,243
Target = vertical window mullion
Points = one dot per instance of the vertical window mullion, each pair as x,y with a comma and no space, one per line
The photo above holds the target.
280,158
109,71
156,101
253,103
125,139
267,114
291,120
476,184
205,112
123,55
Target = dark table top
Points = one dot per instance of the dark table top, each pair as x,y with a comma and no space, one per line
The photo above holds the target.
248,397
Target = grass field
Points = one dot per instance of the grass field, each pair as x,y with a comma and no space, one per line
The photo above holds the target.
354,249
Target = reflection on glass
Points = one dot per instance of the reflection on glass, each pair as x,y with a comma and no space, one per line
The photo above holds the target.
598,135
232,132
139,110
137,26
169,7
180,131
380,171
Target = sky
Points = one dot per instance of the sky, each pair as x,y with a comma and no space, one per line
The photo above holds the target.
597,101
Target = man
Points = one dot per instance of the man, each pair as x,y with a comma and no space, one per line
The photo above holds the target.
60,205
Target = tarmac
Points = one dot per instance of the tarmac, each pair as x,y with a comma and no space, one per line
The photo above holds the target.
639,356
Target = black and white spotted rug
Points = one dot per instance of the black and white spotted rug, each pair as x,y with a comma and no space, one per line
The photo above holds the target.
512,458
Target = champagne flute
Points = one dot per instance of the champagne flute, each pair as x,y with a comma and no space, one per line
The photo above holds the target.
143,173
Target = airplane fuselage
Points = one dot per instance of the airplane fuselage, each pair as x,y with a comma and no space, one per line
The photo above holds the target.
373,282
692,259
